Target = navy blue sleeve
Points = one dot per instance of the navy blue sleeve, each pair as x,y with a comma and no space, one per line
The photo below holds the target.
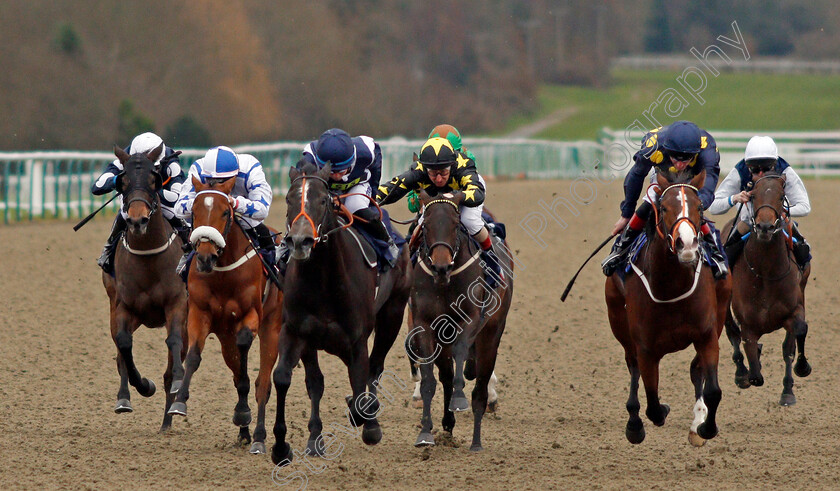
634,182
710,160
106,183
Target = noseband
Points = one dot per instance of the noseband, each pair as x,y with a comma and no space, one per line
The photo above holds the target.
669,237
427,248
778,223
202,232
152,204
316,229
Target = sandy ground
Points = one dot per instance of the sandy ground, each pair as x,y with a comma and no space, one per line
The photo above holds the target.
563,384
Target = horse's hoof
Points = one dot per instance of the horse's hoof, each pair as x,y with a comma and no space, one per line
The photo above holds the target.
179,408
757,381
176,386
787,400
491,406
372,436
666,409
257,448
314,447
123,406
151,388
282,452
742,382
241,418
476,447
425,439
706,431
458,404
696,440
802,368
417,403
635,435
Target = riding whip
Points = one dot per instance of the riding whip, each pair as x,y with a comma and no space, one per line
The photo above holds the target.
87,218
572,281
268,268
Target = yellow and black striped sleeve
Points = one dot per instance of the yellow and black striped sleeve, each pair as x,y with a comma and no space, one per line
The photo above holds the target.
399,186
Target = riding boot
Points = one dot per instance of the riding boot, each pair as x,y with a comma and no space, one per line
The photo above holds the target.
619,250
379,231
265,242
181,228
106,259
282,253
716,257
801,249
734,247
491,266
183,267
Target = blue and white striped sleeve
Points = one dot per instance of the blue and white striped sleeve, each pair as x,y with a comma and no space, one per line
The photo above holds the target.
183,208
258,201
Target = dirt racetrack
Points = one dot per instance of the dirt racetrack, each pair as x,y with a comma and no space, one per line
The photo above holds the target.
563,383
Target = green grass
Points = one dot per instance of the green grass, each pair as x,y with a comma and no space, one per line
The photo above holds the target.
733,101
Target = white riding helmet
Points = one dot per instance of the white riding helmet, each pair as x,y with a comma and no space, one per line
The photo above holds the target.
146,142
761,147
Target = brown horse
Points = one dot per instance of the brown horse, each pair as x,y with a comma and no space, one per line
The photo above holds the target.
455,314
670,302
230,297
144,288
768,292
334,300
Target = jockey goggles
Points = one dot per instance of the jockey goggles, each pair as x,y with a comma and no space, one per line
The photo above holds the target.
756,167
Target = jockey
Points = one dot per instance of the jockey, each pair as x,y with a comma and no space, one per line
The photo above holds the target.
678,147
356,167
440,169
169,166
452,134
760,158
251,194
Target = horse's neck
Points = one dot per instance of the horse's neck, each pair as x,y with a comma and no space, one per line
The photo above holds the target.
663,268
768,258
237,244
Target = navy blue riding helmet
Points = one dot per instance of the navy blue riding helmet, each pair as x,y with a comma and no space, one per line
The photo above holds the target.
682,139
335,147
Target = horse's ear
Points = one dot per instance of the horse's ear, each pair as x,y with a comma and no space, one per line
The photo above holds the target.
294,173
458,198
155,153
699,179
227,185
424,197
325,172
197,184
121,154
662,181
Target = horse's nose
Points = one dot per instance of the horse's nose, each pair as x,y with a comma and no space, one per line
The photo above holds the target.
137,223
441,270
300,245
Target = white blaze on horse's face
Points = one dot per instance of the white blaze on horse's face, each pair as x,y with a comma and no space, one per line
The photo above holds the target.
690,250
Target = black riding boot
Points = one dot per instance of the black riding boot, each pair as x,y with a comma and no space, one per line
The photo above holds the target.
716,257
106,259
801,249
734,247
619,251
491,263
181,228
377,229
266,243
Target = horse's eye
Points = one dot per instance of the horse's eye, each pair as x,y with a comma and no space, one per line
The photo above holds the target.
226,213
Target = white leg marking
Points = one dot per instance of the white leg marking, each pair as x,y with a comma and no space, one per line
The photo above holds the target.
492,396
700,412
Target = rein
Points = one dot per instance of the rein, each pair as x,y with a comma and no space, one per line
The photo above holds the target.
336,202
427,249
778,225
672,241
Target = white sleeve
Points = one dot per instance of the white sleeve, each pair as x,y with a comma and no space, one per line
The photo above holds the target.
796,194
183,208
730,186
258,201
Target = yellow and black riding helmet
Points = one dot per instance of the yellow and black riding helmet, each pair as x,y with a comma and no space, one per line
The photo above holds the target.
437,153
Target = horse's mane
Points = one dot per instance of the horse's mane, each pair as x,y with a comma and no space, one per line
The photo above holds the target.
307,167
681,177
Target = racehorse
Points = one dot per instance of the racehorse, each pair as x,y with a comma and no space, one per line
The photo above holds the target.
444,325
145,289
334,299
671,301
230,297
768,292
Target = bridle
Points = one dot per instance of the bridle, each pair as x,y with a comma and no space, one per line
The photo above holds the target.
153,203
779,222
660,220
427,248
211,233
336,203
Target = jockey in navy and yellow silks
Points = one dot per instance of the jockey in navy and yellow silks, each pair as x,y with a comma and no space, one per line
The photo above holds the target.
680,147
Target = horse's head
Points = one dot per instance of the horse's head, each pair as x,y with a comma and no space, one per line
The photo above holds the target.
768,198
212,217
678,216
139,184
441,242
308,208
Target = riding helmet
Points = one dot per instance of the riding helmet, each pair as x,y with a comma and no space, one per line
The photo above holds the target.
681,137
437,153
449,132
335,147
146,142
220,163
760,148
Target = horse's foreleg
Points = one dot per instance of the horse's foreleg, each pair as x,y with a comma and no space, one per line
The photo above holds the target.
649,370
174,374
492,395
635,429
700,409
290,350
788,352
733,332
123,338
315,390
364,407
800,330
460,351
428,384
269,336
242,411
446,374
198,327
752,348
708,353
123,394
486,348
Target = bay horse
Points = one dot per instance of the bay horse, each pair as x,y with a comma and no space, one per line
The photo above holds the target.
671,301
768,292
454,315
145,289
229,296
333,301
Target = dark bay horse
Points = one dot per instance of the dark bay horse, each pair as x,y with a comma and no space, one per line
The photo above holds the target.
145,289
455,315
333,301
229,296
669,302
768,292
